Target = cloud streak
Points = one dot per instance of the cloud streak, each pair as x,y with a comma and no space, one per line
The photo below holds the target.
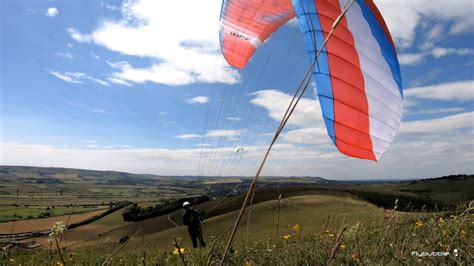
198,100
461,91
77,77
439,125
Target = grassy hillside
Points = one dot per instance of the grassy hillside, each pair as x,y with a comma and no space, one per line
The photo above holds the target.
309,206
309,234
307,202
382,196
454,189
310,212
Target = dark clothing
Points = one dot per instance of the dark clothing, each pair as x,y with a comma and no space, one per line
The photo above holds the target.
192,219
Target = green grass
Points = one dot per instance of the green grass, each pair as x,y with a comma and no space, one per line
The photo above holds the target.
113,219
453,190
365,241
22,212
310,210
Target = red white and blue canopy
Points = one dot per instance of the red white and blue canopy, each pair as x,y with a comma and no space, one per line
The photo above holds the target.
357,74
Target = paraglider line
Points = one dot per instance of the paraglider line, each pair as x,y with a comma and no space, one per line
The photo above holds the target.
289,111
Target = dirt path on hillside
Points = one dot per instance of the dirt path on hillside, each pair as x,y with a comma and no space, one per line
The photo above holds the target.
171,221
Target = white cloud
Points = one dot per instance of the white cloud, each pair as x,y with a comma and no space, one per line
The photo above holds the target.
228,133
439,125
198,100
440,51
98,81
187,51
110,7
435,32
76,35
157,73
72,77
52,12
64,55
94,56
188,136
310,135
423,157
428,49
98,111
410,59
77,77
203,145
306,114
462,91
404,16
439,110
118,81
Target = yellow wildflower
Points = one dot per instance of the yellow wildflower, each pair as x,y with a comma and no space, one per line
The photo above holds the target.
59,263
418,224
343,246
296,228
441,220
286,237
12,260
176,251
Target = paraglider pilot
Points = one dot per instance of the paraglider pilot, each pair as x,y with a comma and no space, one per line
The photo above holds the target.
192,219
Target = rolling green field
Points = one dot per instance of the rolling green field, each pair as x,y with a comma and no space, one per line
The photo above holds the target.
9,213
392,218
310,232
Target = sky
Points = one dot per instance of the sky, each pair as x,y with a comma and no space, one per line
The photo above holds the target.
141,86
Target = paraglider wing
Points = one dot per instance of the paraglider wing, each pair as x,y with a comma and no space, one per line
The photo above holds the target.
357,75
246,24
240,151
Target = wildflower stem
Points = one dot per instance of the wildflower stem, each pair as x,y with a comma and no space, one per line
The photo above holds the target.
277,225
179,251
337,245
467,211
59,251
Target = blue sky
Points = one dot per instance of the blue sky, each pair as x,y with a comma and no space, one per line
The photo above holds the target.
136,86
